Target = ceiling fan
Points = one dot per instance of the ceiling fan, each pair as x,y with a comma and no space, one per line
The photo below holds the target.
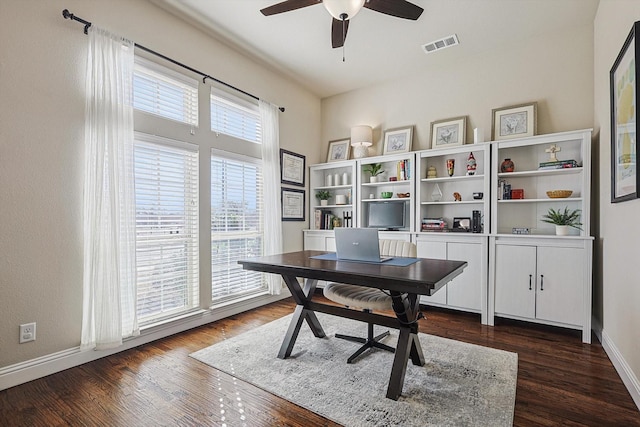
344,10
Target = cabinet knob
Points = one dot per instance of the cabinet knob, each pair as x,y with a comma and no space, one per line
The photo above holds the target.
542,282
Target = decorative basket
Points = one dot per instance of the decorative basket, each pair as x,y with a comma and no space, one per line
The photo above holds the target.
403,195
559,194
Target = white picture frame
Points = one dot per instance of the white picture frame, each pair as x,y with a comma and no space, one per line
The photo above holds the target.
449,132
339,150
516,121
398,140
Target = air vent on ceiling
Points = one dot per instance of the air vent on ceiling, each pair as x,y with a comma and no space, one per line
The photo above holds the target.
440,44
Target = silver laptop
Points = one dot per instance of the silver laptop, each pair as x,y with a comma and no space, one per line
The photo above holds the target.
358,244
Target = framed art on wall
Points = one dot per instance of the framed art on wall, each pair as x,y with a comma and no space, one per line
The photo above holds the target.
516,121
624,114
291,168
448,132
338,150
292,204
398,140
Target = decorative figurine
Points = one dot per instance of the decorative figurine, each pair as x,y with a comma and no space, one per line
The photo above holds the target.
436,194
451,163
431,172
457,197
507,166
552,152
471,164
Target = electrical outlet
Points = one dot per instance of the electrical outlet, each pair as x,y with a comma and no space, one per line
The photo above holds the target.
27,332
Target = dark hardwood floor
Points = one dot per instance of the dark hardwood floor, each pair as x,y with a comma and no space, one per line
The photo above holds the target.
560,381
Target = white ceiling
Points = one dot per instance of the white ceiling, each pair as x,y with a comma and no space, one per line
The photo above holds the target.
378,47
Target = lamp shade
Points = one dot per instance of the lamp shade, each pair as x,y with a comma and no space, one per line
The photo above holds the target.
361,135
339,7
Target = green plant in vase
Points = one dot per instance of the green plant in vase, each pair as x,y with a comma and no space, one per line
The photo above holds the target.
323,196
373,169
563,220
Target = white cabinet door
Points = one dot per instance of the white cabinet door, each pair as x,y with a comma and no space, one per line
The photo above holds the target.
515,283
435,250
560,285
314,242
465,291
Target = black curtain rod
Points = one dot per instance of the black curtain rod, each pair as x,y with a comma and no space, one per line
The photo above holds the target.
68,15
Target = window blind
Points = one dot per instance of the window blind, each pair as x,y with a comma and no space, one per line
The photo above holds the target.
236,225
166,189
234,116
164,92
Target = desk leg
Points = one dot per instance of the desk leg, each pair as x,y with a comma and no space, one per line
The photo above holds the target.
407,309
301,297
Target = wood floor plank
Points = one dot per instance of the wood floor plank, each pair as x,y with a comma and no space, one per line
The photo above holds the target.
561,381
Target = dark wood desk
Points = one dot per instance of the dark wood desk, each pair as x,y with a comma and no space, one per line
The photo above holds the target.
405,285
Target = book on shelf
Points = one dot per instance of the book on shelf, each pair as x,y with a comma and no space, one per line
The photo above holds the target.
403,170
559,164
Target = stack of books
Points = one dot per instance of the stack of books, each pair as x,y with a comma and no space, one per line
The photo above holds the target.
434,224
558,164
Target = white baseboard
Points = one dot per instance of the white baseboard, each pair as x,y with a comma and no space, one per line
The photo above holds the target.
20,373
624,370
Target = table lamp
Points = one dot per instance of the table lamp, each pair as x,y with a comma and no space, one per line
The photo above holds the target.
361,140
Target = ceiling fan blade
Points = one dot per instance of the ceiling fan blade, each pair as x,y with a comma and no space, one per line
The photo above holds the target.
287,6
397,8
337,37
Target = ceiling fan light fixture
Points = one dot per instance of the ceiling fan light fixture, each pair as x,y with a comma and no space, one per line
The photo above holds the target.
338,8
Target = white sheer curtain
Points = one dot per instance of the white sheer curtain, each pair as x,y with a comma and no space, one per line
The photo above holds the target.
271,177
109,293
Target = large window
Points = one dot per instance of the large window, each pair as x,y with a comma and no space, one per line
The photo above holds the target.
166,189
236,225
167,197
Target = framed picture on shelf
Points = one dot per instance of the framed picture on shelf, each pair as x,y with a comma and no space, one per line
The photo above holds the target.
291,168
398,140
338,150
516,121
448,132
292,204
624,117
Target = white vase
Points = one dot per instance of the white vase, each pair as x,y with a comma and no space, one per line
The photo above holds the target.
373,179
562,230
323,202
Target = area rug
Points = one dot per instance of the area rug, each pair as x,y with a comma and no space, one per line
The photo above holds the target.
460,385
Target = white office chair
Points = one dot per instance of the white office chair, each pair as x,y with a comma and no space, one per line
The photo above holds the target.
369,299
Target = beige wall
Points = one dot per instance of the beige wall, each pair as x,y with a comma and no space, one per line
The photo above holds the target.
619,231
42,78
556,71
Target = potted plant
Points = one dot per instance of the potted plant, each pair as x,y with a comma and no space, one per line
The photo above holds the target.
563,220
323,196
374,169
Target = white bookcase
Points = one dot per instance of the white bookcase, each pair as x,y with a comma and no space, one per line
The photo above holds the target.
539,276
468,291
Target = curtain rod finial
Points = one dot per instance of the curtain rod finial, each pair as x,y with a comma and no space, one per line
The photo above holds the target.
67,14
